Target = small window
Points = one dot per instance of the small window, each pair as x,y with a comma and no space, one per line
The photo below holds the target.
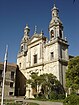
19,64
21,48
52,55
60,34
52,33
35,58
1,73
12,74
0,84
10,93
11,84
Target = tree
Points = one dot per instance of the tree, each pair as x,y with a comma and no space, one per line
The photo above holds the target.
33,82
48,83
72,74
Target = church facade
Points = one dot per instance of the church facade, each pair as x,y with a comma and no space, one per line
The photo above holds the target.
38,54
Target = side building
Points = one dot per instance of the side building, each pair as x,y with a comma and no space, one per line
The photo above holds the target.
38,54
10,76
13,81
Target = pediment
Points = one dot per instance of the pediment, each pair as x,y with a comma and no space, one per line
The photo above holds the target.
34,38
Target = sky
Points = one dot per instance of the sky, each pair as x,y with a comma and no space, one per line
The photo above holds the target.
15,14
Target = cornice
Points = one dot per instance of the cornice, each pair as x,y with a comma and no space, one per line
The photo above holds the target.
56,40
35,65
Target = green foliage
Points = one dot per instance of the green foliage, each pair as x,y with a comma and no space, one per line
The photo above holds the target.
50,86
21,104
72,100
33,104
72,74
61,96
41,96
33,80
53,95
12,104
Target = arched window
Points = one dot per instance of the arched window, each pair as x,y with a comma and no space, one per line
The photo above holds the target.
21,48
51,55
52,33
60,34
19,64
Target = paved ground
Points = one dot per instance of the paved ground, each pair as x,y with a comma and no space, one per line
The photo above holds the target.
45,102
35,101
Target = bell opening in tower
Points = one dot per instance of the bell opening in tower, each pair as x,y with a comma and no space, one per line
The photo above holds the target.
60,32
52,34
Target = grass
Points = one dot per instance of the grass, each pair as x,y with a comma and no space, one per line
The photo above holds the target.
11,102
41,99
33,104
21,104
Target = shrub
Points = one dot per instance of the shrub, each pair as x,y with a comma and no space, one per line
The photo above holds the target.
41,96
61,96
53,95
72,100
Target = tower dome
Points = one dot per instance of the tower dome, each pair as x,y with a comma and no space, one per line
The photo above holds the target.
26,30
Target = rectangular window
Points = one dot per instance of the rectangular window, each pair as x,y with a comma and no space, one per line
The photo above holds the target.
12,74
35,58
10,93
1,73
52,55
11,84
0,84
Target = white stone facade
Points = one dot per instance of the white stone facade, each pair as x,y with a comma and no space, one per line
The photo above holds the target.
37,54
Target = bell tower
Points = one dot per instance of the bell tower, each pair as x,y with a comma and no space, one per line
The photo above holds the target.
60,45
25,39
55,26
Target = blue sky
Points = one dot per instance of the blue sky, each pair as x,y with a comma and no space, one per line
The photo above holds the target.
15,14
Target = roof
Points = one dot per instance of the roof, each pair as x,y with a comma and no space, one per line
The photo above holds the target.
10,66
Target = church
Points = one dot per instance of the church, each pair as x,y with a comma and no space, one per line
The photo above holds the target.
38,54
